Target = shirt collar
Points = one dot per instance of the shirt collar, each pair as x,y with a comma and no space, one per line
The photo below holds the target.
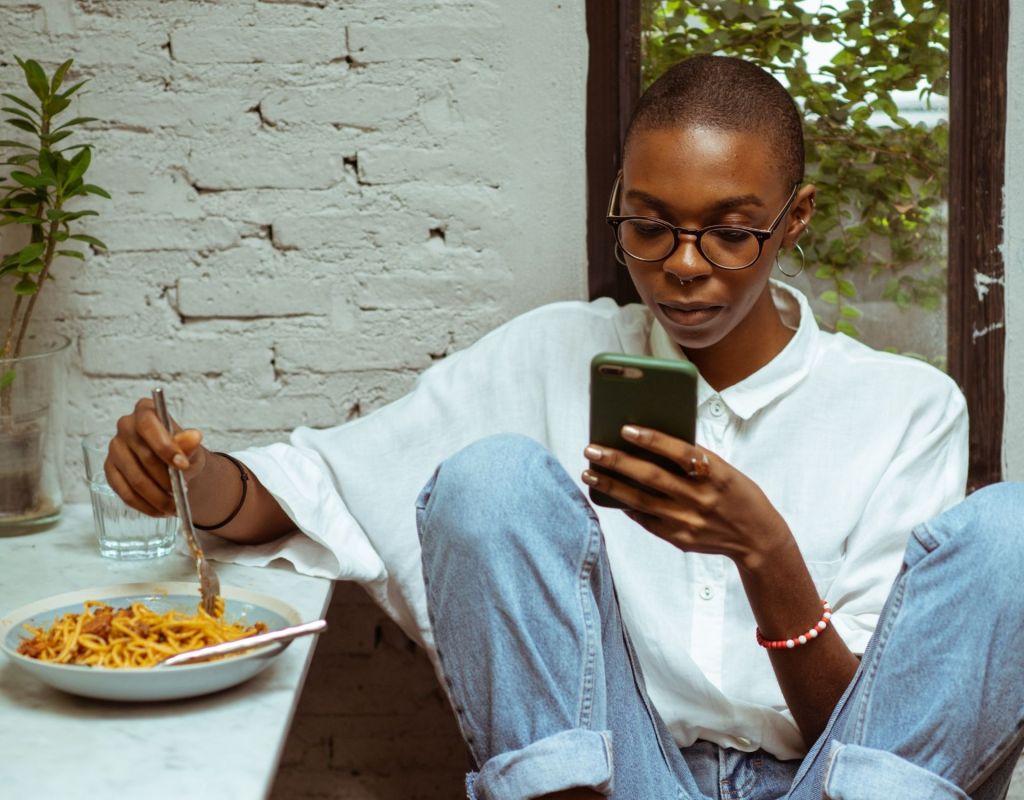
776,377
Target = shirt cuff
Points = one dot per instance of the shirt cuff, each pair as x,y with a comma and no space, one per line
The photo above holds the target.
329,543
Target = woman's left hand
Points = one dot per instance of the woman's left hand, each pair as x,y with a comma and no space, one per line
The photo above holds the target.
713,508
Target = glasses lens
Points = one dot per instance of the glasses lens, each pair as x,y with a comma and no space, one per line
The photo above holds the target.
730,248
645,239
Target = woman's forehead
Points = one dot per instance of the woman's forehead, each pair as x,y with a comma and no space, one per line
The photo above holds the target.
701,161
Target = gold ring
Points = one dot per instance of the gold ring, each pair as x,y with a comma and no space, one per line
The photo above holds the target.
700,467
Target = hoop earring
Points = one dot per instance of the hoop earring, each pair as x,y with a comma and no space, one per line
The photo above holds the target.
803,262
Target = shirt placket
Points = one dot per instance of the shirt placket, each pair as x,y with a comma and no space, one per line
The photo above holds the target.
708,572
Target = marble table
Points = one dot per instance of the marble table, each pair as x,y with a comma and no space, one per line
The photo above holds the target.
224,746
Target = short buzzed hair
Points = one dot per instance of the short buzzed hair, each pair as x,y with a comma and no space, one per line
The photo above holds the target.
729,94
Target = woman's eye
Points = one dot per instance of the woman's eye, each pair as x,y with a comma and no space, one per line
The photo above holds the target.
648,229
731,235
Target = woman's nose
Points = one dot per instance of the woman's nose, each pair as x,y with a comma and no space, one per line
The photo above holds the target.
686,263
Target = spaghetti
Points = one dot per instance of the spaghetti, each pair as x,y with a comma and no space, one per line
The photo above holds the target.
137,636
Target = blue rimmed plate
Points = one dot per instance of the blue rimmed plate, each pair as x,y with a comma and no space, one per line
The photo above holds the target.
143,685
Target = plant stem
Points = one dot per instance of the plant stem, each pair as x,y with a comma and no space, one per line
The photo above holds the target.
11,328
51,244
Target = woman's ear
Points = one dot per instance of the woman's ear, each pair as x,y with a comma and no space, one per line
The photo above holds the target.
800,214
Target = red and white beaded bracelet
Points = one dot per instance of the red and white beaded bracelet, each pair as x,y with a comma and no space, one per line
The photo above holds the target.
804,638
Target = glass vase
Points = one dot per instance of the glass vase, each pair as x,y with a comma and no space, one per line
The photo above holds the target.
33,404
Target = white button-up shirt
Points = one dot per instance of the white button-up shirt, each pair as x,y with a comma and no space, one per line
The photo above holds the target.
853,447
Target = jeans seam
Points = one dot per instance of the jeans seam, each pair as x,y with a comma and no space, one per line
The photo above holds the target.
590,649
990,766
881,637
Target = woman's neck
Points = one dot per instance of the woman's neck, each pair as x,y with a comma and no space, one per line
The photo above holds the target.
760,337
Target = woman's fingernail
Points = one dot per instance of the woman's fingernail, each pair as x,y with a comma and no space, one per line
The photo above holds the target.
180,461
589,478
630,432
593,453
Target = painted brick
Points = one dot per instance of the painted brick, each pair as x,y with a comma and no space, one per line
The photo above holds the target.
374,351
133,356
381,165
247,299
364,105
201,44
155,233
263,162
154,108
371,43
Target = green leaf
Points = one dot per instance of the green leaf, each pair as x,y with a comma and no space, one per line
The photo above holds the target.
830,297
23,125
31,181
7,378
31,268
57,104
81,237
78,215
92,189
79,164
31,252
19,113
58,76
846,288
26,286
851,312
53,138
74,89
27,220
23,103
75,121
36,78
12,143
844,326
72,253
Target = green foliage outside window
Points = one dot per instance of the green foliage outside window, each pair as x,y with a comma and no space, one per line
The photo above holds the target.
882,187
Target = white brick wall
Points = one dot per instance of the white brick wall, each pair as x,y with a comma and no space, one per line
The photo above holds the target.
313,199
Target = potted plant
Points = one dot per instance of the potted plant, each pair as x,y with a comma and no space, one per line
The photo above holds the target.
43,174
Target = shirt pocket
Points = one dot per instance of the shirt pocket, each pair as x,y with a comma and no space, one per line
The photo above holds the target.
823,573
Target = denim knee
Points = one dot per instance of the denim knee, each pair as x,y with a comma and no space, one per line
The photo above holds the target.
474,498
986,534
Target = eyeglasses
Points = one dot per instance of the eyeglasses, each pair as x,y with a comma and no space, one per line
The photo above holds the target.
724,246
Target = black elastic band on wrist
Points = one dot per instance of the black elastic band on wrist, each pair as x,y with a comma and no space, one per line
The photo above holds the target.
245,488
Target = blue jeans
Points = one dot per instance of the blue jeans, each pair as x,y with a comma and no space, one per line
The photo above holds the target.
549,695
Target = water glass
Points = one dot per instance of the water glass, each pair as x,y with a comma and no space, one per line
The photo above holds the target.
123,533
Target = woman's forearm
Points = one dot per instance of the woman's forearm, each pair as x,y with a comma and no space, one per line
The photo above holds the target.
215,492
785,604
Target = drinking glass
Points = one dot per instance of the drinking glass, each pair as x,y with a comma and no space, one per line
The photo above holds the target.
122,532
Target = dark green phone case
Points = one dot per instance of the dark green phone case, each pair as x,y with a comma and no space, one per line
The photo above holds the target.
652,392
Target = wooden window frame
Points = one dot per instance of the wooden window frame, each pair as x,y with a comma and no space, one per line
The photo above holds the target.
979,39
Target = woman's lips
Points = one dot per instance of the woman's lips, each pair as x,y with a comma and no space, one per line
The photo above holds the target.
691,315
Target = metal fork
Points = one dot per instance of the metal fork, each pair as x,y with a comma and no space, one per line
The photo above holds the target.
209,583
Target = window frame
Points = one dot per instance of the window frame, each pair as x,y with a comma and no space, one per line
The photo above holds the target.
976,312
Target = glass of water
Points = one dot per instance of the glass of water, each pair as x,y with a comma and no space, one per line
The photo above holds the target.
122,532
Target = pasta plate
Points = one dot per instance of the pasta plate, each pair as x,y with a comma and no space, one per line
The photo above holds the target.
147,684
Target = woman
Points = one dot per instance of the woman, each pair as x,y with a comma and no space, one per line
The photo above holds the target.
815,458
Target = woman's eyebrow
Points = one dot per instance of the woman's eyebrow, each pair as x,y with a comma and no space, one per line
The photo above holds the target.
724,204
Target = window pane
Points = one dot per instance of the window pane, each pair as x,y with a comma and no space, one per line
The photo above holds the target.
872,80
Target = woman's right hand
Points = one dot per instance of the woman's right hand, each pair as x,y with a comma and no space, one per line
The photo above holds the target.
141,452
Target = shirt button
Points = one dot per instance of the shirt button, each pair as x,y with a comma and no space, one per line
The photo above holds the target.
743,741
716,407
707,593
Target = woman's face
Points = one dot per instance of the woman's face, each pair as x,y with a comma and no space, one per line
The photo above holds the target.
692,178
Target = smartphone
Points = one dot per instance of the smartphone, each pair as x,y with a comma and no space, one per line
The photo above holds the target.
651,392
